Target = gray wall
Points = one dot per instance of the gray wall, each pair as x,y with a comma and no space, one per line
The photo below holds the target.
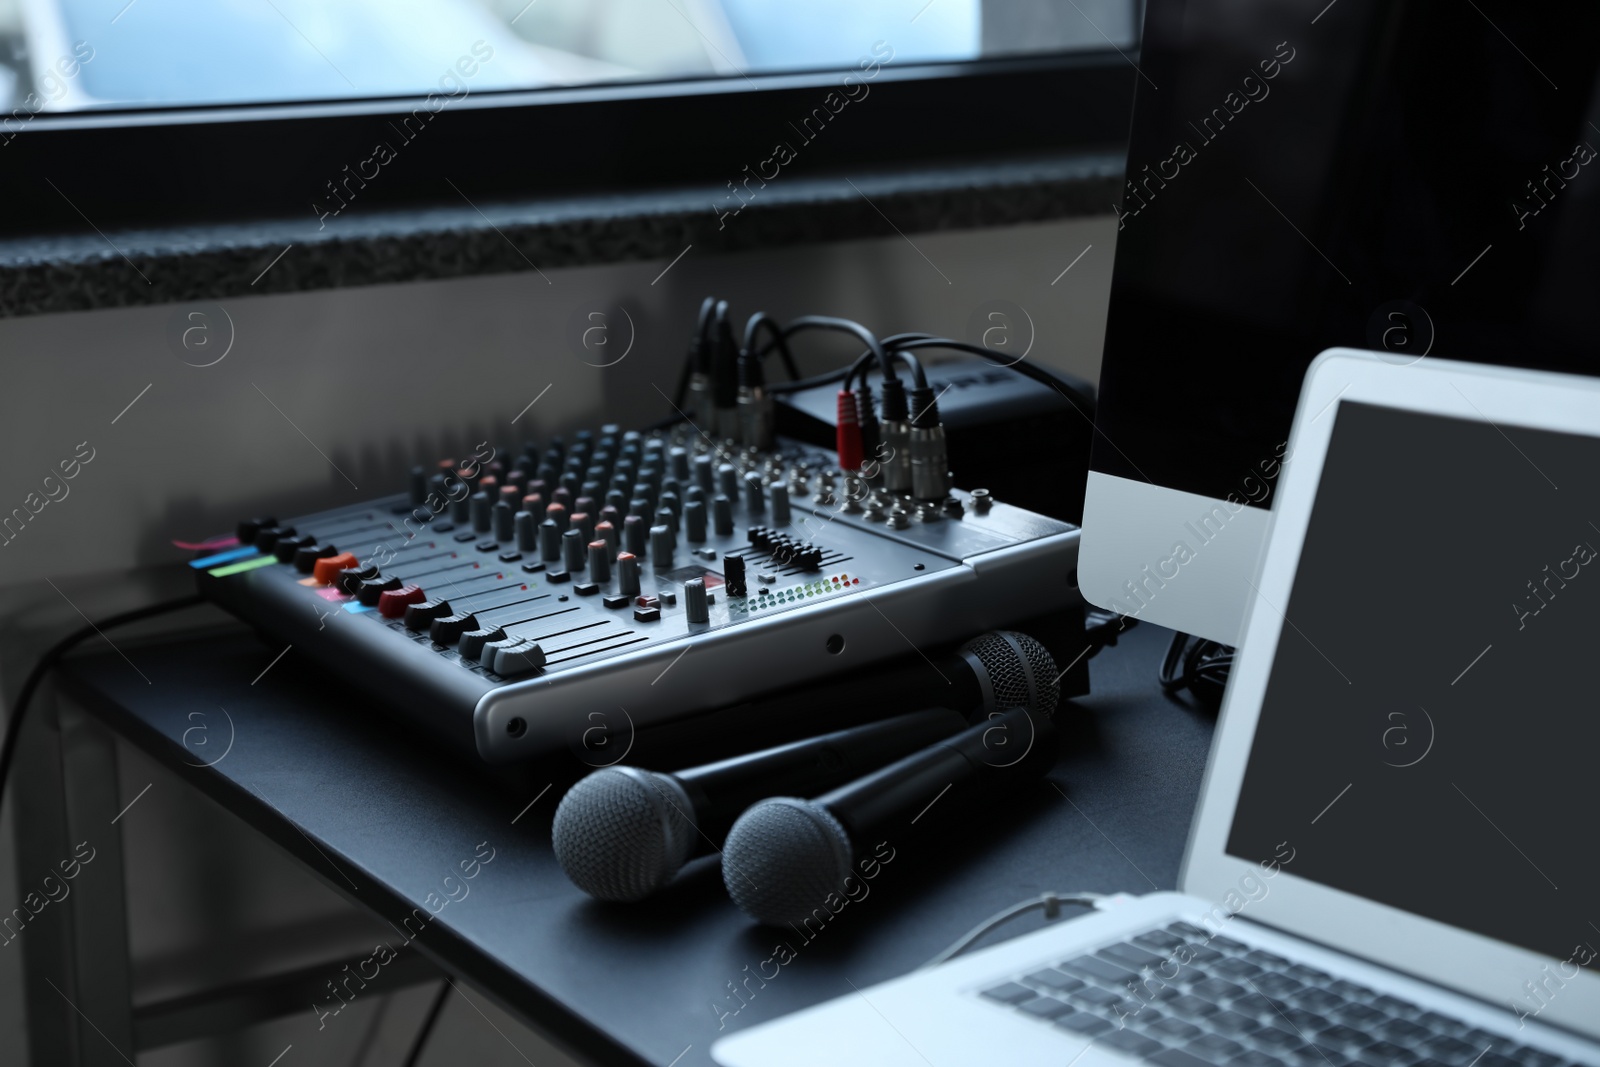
325,398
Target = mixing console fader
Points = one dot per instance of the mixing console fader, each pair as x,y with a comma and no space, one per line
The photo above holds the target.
505,599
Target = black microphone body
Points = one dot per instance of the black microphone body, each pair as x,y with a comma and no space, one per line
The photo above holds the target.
785,856
991,672
623,832
720,792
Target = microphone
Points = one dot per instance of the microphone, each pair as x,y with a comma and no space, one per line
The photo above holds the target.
785,858
989,673
622,833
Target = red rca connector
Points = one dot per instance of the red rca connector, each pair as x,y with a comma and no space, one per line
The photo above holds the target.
848,432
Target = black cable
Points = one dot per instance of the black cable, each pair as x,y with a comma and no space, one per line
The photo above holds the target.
435,1009
828,322
19,708
699,344
1198,665
779,342
1079,396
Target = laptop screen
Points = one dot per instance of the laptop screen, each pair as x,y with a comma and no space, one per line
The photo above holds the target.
1432,706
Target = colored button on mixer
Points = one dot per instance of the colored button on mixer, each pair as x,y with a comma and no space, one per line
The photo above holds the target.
392,603
326,570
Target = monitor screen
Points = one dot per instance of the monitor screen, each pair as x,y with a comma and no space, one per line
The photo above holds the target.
1413,176
1430,708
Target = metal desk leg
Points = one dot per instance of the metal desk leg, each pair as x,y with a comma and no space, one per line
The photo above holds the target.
74,930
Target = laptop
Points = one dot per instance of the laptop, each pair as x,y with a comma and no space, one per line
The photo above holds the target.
1393,860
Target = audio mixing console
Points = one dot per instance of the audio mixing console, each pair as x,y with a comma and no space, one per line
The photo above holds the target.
504,600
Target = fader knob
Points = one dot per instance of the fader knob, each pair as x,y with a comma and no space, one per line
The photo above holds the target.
420,616
728,481
696,608
526,529
599,562
754,498
573,556
694,521
678,463
246,530
447,629
780,504
733,573
722,516
634,532
306,556
628,574
518,659
661,547
703,475
392,604
418,486
470,644
504,521
549,541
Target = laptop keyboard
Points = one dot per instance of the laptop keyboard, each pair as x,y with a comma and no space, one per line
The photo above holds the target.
1179,996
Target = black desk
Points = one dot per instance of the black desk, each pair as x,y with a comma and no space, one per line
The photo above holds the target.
384,822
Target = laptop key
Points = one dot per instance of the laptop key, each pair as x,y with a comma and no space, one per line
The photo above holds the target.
1254,1058
1236,969
1277,986
1443,1024
1266,959
1218,989
1318,1000
1218,941
1532,1057
1126,955
1405,1032
1045,1007
1099,970
1339,1034
1278,1040
1452,1050
1094,995
1054,979
1081,1022
1188,930
1386,1054
1231,1022
1169,1028
1214,1047
1192,1006
1362,1015
1401,1009
1010,993
1177,1057
1158,941
1308,975
1351,991
1128,1041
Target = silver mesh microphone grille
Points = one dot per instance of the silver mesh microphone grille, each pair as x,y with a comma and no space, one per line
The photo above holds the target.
1021,671
622,833
783,858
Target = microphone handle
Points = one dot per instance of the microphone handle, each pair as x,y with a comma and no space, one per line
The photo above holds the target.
720,792
1010,748
865,694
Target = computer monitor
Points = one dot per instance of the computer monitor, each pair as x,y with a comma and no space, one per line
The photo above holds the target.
1417,177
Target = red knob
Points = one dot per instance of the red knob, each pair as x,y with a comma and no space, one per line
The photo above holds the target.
392,603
